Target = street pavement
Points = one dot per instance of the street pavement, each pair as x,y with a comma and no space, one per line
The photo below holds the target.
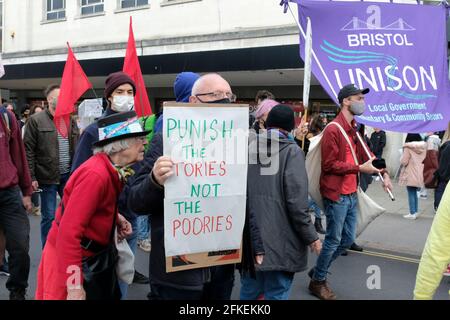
386,270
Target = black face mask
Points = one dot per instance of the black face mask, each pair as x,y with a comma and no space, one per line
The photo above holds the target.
225,100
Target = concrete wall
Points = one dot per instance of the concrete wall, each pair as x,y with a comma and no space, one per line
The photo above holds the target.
25,19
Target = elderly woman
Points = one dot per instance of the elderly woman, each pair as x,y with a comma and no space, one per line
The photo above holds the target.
84,222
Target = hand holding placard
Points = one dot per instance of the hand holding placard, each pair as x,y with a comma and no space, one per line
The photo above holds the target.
162,169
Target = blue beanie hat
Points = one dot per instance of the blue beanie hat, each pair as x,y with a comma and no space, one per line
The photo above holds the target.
183,85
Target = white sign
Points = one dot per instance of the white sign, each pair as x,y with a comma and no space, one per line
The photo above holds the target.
88,111
205,199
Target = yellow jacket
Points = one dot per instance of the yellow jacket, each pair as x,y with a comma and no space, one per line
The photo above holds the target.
436,254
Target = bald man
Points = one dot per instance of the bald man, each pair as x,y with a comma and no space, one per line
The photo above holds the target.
147,195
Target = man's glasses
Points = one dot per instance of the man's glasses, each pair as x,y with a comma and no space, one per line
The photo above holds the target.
218,95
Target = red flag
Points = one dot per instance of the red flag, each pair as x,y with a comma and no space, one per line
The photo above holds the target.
133,69
73,84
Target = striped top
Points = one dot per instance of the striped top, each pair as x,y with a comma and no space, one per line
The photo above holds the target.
64,154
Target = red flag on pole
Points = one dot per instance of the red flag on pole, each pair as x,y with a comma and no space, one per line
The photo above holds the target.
73,84
133,69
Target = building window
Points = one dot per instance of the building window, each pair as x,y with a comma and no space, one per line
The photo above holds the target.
56,9
124,4
91,7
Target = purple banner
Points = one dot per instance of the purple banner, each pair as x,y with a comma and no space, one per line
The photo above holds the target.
399,51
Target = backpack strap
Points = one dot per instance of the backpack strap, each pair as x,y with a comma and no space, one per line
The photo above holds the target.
6,120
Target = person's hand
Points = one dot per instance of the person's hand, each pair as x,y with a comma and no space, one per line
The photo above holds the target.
162,169
316,246
124,229
35,185
367,167
302,130
259,259
26,200
76,294
387,184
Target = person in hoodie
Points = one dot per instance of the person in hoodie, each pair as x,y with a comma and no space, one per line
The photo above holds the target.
280,203
411,175
182,88
146,193
119,93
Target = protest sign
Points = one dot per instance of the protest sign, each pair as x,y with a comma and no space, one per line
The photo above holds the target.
392,49
205,199
88,111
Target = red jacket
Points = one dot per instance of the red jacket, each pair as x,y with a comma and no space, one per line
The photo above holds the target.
13,163
334,167
90,198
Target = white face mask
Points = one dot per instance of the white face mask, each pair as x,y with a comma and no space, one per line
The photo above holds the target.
123,103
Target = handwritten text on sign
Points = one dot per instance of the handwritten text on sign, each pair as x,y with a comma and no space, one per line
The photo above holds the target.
205,199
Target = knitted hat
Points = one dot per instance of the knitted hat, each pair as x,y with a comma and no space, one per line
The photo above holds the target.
282,117
264,107
183,85
115,80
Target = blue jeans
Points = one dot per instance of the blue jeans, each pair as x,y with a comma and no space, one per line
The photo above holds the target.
341,232
48,204
315,207
413,199
143,227
275,285
132,242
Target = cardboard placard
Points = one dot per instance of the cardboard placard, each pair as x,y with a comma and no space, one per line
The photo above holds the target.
205,199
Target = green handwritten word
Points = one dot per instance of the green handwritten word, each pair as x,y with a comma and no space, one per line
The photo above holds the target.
199,128
188,207
205,190
190,152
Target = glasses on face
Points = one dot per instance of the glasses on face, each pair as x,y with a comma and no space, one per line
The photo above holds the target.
217,95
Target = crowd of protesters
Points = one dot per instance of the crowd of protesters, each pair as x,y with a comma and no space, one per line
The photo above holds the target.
110,191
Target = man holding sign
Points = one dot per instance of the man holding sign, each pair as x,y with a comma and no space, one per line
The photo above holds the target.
148,194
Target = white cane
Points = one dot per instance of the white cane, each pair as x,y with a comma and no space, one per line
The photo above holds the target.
368,155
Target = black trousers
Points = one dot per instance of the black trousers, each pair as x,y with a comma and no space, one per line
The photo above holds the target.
438,193
219,288
16,227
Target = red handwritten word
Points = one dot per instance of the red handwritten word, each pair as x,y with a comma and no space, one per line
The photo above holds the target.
201,169
205,224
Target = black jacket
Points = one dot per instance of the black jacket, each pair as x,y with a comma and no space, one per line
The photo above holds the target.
146,196
378,141
443,171
278,196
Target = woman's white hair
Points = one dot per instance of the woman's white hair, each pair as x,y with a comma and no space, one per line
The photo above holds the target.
115,147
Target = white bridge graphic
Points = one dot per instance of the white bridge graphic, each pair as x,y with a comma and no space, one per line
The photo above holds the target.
358,24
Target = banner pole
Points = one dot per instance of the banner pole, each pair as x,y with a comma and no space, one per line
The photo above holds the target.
313,53
379,174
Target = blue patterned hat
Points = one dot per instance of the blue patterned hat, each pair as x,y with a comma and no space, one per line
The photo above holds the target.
118,126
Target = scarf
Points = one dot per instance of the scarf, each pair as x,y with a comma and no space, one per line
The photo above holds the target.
124,172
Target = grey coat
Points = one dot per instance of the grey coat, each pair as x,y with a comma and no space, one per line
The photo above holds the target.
279,199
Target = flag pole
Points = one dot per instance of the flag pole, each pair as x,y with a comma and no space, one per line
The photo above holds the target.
369,155
307,73
313,53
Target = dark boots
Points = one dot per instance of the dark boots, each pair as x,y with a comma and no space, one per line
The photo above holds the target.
318,226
